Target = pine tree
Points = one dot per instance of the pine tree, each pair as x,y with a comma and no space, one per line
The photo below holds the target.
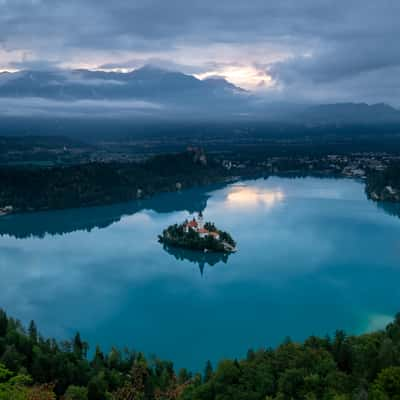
3,323
78,346
208,371
33,334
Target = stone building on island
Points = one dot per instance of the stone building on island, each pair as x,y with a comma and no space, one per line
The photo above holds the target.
198,226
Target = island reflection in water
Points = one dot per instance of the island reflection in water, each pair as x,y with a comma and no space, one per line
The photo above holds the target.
200,258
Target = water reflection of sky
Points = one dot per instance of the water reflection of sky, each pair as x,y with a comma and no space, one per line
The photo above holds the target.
249,196
314,255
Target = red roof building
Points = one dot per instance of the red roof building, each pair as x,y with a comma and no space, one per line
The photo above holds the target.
192,224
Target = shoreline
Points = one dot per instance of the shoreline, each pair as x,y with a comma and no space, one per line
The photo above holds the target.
224,180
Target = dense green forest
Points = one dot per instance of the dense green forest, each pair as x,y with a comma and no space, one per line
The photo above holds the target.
341,367
384,185
40,188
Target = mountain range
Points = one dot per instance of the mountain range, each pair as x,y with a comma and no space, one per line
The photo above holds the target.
147,82
350,113
154,92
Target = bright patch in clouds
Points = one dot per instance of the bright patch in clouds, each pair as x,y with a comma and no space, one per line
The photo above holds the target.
247,77
326,51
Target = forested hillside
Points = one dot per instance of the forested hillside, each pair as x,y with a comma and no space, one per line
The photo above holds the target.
90,184
333,368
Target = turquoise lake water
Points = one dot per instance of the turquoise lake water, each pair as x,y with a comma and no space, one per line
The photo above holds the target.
313,255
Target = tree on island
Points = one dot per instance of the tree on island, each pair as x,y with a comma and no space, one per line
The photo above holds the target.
225,236
210,227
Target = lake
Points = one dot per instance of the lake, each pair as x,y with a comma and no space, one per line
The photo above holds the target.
314,255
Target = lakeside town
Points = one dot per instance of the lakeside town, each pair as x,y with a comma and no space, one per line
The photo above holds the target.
368,166
354,165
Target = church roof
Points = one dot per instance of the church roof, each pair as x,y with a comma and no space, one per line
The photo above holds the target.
192,224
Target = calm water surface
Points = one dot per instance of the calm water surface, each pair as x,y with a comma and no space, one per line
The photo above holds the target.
314,255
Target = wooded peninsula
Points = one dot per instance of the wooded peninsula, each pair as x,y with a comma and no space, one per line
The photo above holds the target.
25,189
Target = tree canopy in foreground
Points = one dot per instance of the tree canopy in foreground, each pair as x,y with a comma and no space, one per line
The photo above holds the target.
342,367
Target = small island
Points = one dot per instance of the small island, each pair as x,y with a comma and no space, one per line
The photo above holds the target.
194,234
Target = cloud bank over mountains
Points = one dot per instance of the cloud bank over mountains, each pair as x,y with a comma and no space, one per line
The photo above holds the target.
154,94
146,92
321,50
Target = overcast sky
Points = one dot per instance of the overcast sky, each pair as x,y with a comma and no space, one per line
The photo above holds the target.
334,50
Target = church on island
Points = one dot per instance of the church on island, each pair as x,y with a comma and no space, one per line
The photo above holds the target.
198,226
195,234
